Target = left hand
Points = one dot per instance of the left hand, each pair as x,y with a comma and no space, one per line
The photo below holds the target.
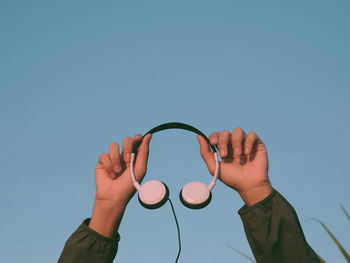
113,180
114,187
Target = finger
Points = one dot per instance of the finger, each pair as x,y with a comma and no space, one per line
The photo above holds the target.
224,141
237,138
106,163
251,139
115,157
136,142
142,155
214,138
207,154
137,138
128,143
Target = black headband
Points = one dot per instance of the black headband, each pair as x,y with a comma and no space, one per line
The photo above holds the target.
174,125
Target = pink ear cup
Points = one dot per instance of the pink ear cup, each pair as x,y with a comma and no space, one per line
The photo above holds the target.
153,193
195,194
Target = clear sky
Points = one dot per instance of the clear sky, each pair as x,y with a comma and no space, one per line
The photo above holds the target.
78,75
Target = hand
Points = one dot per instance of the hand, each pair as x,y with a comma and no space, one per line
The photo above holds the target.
114,187
244,163
113,179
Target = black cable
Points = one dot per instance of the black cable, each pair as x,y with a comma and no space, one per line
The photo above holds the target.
178,230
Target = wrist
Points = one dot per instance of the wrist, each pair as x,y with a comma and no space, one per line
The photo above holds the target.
256,194
106,216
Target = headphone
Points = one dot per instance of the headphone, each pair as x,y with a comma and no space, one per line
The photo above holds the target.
153,194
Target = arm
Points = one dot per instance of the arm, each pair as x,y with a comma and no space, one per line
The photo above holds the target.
96,239
274,232
270,222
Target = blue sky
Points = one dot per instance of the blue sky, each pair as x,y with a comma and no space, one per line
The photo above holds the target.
77,75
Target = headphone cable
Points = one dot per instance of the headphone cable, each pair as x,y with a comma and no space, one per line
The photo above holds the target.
178,230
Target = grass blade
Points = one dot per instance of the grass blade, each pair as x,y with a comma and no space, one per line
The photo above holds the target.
345,212
242,254
321,259
342,250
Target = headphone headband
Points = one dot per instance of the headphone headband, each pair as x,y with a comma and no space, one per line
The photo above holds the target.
174,125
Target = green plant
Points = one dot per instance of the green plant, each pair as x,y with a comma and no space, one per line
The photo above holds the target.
335,240
242,254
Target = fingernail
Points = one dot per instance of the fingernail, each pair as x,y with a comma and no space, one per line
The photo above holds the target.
246,150
236,151
116,168
150,137
127,157
222,152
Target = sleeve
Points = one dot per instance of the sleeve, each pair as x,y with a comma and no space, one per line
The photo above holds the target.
88,246
274,233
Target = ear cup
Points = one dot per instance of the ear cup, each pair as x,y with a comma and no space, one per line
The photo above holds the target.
153,194
195,195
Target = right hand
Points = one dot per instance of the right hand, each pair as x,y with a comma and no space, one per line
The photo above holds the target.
244,163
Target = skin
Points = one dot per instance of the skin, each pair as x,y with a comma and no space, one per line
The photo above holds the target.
243,168
244,165
114,187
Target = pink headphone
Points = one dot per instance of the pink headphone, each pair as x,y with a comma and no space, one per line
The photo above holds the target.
153,194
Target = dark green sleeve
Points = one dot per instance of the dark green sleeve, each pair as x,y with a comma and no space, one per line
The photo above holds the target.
274,232
88,246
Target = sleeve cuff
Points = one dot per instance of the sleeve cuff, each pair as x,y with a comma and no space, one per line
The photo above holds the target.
85,226
245,209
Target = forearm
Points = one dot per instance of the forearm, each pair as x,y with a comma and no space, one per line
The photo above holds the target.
274,232
256,194
88,246
106,216
96,239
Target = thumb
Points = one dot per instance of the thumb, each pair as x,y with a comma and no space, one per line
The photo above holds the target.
207,154
142,156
